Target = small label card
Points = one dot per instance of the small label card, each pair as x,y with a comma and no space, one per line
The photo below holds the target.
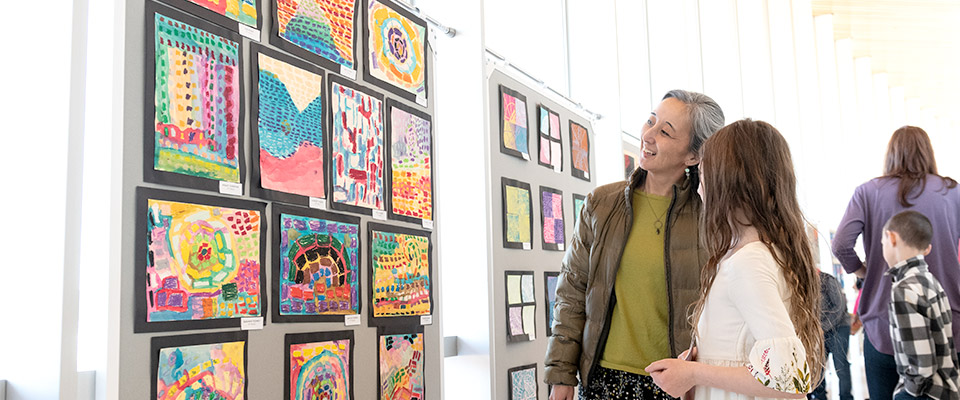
351,320
380,215
421,100
526,156
557,168
233,188
318,203
426,320
250,32
526,246
560,246
586,175
347,72
251,323
427,224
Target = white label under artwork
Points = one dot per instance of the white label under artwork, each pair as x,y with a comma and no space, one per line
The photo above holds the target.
250,32
560,246
380,215
351,320
426,320
427,224
526,246
347,72
526,156
421,100
251,323
557,169
586,175
318,203
233,188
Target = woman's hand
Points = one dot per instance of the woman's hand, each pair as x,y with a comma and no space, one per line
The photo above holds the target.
561,392
674,376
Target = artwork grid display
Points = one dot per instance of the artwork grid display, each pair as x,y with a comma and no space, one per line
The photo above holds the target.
316,275
410,165
549,139
319,365
192,115
580,151
551,218
320,31
514,138
522,382
287,121
401,284
550,279
400,363
208,366
396,48
200,261
517,214
356,148
521,306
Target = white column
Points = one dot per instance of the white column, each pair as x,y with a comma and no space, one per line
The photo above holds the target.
808,83
755,60
784,64
720,49
673,32
898,107
634,65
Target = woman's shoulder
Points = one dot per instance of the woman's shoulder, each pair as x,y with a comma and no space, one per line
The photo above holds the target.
753,258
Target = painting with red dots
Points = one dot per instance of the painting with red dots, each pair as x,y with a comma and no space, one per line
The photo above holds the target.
356,150
410,166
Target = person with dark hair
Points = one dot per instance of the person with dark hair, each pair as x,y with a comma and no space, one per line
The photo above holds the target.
757,318
835,323
910,181
920,316
631,269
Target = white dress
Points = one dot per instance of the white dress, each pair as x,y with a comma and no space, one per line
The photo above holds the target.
745,323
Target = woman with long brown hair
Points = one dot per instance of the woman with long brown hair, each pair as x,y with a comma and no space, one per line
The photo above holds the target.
757,327
910,182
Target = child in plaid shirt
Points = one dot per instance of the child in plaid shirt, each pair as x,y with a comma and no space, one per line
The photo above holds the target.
920,318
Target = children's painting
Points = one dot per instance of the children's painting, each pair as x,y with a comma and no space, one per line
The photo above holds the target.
202,261
521,306
357,148
551,216
550,285
196,99
578,201
290,126
319,264
396,49
400,273
401,366
517,211
551,145
580,151
523,382
223,12
211,366
319,366
317,30
411,177
513,123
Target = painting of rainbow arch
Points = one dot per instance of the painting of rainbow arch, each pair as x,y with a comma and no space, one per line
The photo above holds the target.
401,274
205,371
321,27
397,45
319,266
243,11
401,366
196,101
203,262
319,366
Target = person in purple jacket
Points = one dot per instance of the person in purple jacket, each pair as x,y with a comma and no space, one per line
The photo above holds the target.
909,182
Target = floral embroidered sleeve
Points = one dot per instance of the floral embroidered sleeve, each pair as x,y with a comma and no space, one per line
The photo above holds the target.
778,358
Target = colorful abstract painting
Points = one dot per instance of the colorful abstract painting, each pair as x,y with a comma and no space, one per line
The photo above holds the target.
396,48
315,28
196,99
290,124
513,123
629,164
186,369
550,286
400,272
357,148
517,212
242,11
523,382
319,264
401,366
411,177
202,261
578,201
580,151
319,366
551,146
551,217
521,306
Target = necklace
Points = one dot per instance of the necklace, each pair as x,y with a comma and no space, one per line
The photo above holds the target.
658,225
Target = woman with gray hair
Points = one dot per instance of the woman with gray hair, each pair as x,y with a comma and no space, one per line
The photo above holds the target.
633,264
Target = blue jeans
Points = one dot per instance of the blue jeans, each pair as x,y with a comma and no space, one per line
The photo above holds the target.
836,342
882,376
903,395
